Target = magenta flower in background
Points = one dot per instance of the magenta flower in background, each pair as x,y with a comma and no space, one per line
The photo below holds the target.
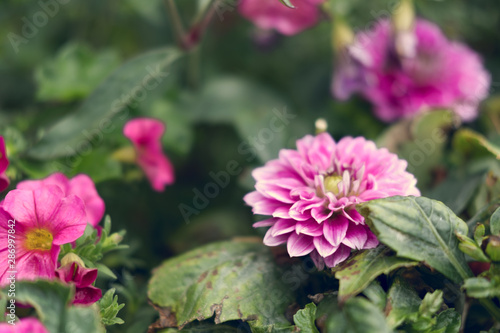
4,163
82,278
24,325
311,195
433,72
81,185
272,14
145,134
44,219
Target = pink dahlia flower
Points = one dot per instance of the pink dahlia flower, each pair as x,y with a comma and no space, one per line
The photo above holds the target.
433,73
82,278
311,195
44,219
145,134
272,14
4,163
81,185
24,325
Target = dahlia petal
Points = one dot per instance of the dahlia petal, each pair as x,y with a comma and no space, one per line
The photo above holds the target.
274,192
354,216
371,241
339,256
321,213
270,240
309,227
282,212
318,260
283,227
335,229
265,223
324,247
356,236
299,245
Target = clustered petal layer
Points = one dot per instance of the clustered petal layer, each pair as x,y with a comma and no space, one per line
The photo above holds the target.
433,72
310,194
4,163
275,15
145,134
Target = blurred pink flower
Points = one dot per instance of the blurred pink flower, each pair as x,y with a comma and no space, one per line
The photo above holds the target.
24,325
427,72
83,278
81,185
44,219
4,163
272,14
145,134
311,195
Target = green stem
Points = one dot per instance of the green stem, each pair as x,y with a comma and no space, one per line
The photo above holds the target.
176,22
491,307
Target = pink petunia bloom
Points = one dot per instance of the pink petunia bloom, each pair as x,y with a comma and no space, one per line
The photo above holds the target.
82,278
145,134
81,185
409,72
24,325
311,195
271,14
4,163
43,219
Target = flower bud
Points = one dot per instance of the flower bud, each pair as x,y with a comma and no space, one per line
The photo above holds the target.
493,248
72,257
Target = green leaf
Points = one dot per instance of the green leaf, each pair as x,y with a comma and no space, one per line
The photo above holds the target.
402,303
480,287
51,300
420,229
359,270
474,145
304,319
431,303
94,118
495,222
74,72
232,280
287,3
358,315
109,308
376,294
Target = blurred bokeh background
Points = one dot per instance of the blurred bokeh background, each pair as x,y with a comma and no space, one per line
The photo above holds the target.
213,101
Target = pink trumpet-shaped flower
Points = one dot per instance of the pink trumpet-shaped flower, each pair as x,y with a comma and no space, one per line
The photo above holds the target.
145,134
82,278
81,185
428,72
39,222
310,194
4,163
24,325
271,14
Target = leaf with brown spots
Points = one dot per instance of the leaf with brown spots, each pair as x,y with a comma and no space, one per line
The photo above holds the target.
233,280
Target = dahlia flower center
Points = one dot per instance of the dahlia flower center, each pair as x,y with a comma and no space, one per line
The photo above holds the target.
332,183
39,239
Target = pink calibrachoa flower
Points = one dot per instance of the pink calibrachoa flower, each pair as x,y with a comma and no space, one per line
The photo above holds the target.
81,185
4,163
427,72
44,219
272,14
145,134
83,278
311,195
24,325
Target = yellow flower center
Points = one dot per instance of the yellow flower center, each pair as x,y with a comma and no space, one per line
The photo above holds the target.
38,239
332,183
